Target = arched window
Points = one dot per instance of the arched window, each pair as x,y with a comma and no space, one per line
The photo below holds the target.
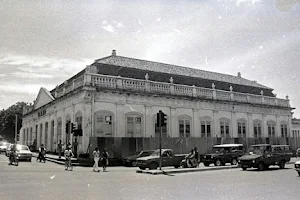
225,127
184,126
284,132
206,123
104,123
257,128
134,124
271,128
30,137
241,124
46,135
41,134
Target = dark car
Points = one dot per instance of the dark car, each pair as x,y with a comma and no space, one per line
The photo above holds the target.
261,156
222,154
131,160
168,159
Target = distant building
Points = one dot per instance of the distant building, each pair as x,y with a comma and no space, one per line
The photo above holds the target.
117,98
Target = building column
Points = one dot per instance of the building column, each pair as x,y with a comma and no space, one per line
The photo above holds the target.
233,125
250,126
264,126
278,132
216,125
120,120
148,122
196,123
173,131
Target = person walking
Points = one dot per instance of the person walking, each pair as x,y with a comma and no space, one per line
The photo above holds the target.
68,155
59,148
75,145
96,154
104,159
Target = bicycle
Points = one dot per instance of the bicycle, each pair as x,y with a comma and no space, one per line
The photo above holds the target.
68,163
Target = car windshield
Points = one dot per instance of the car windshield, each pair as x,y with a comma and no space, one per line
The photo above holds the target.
22,148
156,153
257,150
217,150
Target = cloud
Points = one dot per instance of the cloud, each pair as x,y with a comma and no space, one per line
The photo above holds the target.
239,2
109,28
19,88
32,75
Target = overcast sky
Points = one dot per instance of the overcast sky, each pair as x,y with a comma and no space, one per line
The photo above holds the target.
42,43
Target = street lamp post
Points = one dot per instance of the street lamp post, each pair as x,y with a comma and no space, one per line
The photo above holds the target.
16,129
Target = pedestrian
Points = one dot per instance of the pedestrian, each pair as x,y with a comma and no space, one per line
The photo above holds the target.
104,159
75,145
96,154
68,155
59,148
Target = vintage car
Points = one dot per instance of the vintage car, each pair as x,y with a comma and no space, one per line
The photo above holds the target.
222,154
131,160
3,146
168,159
23,152
297,166
261,156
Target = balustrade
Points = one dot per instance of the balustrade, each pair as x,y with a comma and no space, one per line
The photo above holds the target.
167,88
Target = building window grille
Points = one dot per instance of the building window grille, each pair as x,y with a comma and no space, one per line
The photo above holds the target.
284,130
241,129
205,128
271,130
224,128
184,128
257,129
104,124
134,126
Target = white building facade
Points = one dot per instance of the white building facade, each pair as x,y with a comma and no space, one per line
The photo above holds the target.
119,97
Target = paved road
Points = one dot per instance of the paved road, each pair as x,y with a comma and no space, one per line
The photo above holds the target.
49,181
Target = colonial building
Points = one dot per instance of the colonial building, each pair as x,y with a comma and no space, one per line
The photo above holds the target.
119,97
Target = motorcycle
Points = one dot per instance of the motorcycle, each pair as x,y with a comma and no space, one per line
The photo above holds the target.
188,162
14,160
41,157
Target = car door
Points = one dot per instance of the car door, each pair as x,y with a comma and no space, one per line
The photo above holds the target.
167,158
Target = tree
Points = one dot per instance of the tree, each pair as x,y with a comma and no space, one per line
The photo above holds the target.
8,118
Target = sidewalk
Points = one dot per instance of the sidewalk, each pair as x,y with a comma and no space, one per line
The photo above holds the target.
55,158
172,170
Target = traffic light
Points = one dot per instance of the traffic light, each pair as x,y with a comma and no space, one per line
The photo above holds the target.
74,127
68,127
163,118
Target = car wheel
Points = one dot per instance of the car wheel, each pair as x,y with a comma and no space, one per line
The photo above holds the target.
29,159
234,161
218,162
153,165
244,168
282,164
299,173
206,164
142,168
261,166
267,167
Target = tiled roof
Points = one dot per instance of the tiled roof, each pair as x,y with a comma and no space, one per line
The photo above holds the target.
178,70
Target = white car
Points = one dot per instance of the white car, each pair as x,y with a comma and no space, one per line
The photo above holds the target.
3,146
24,153
297,166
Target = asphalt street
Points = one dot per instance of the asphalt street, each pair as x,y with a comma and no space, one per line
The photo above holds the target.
34,180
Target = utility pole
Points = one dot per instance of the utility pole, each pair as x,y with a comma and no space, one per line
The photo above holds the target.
16,129
160,132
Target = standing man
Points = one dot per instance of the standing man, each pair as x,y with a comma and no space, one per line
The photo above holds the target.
104,159
59,148
96,154
75,145
196,156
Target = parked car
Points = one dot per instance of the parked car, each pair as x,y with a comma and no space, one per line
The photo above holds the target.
223,153
261,156
131,160
168,159
3,146
297,166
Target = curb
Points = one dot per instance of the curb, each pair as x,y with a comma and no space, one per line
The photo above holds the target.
187,170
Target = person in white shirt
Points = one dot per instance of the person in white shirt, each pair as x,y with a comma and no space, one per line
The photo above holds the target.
68,155
96,154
